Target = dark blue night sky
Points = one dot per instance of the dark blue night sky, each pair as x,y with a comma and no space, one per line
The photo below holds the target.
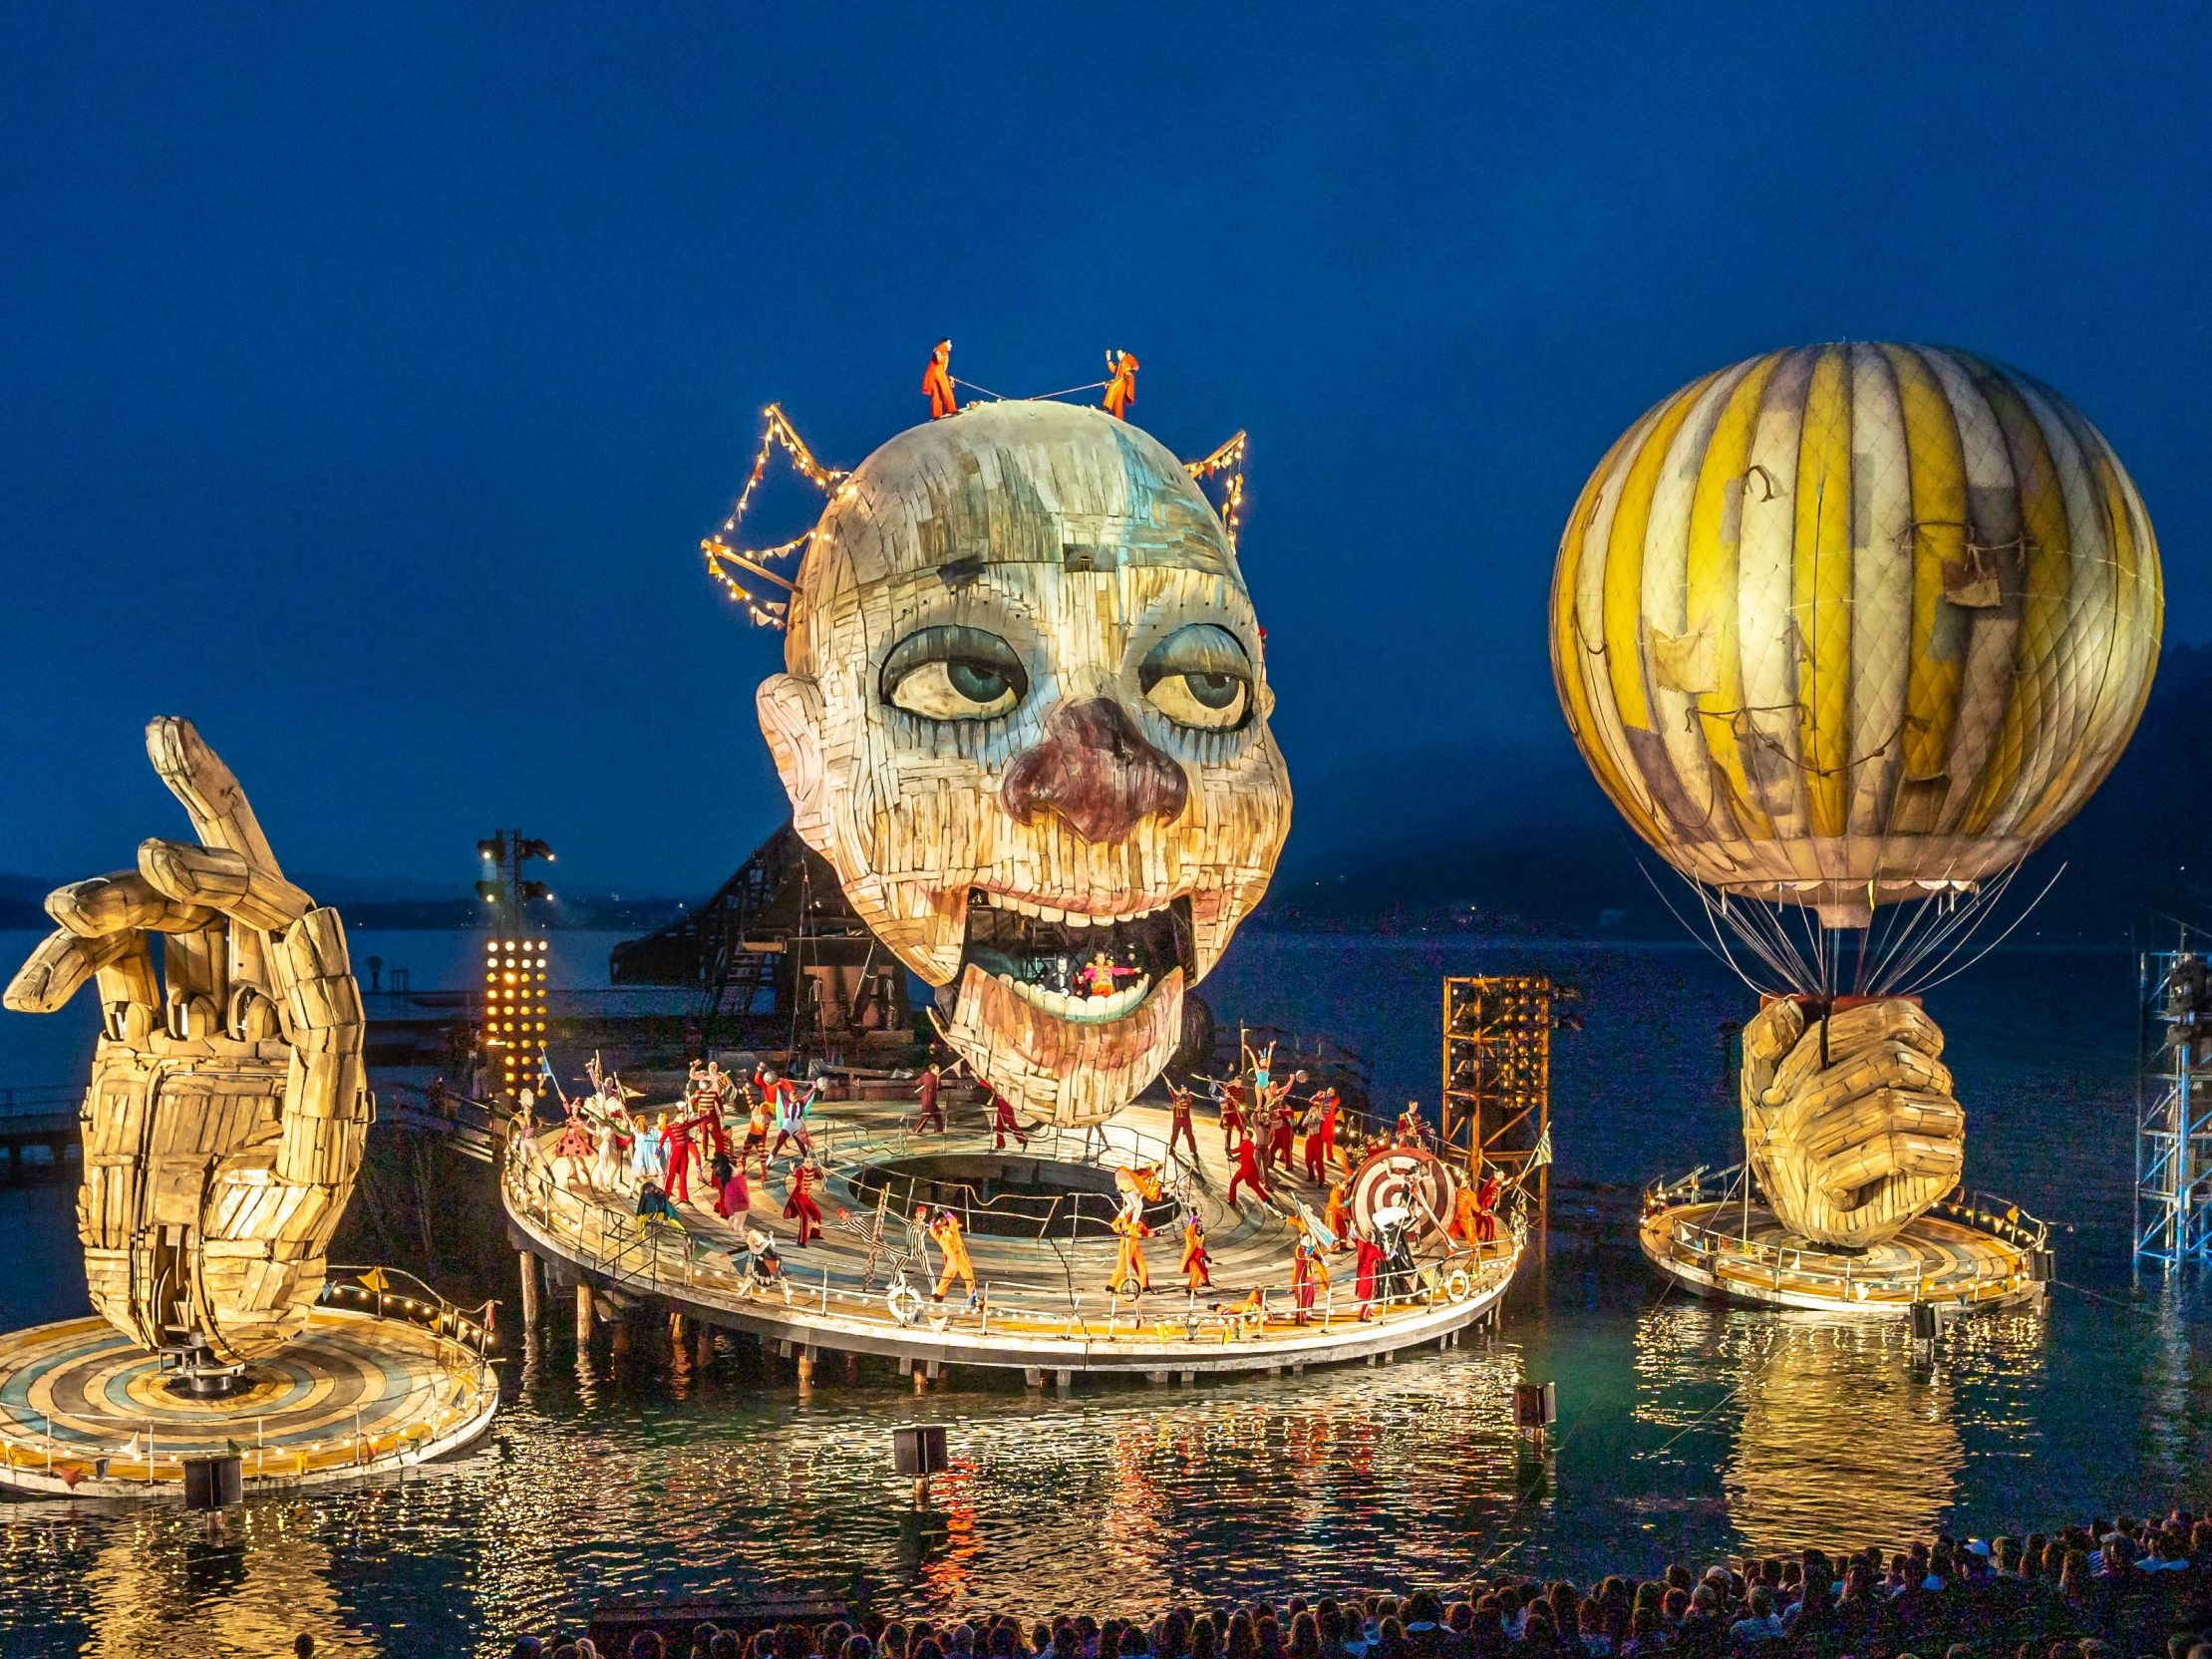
371,373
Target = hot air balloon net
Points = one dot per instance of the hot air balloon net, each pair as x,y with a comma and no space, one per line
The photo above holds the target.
1783,949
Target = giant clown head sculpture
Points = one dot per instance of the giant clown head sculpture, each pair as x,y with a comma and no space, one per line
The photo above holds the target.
1024,716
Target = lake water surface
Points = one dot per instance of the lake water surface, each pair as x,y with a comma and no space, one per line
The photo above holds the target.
1686,1427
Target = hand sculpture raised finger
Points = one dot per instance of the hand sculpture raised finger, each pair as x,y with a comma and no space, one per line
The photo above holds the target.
228,1112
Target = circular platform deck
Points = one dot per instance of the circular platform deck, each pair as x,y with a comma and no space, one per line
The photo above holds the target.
86,1412
1043,1305
1964,1254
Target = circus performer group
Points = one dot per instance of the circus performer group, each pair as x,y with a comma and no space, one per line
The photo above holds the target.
1295,1152
722,1129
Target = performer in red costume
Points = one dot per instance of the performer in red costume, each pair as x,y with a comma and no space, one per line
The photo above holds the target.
677,1136
1248,1170
1002,1120
937,382
1321,1139
1231,1096
932,1115
1179,1106
805,1176
1369,1261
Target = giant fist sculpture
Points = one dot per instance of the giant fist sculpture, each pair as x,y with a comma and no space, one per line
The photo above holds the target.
1849,1121
1025,718
227,1114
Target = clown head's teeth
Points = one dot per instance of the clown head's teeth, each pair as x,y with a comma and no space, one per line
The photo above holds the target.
1083,1010
1077,966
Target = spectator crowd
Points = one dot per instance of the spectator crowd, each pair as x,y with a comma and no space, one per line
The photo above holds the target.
2110,1589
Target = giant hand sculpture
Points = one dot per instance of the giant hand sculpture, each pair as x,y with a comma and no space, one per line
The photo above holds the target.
1849,1121
228,1111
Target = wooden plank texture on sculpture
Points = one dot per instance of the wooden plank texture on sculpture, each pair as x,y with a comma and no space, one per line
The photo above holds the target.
1025,697
228,1112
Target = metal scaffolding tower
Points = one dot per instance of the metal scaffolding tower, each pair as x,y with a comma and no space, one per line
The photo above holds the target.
1497,1072
2173,1110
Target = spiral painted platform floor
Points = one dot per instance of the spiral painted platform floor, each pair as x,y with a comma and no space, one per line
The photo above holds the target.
85,1411
1954,1257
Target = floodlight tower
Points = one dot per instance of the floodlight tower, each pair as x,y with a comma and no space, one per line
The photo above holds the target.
2173,1118
513,964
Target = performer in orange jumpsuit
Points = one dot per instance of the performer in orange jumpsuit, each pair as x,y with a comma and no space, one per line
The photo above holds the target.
945,1230
1179,1106
937,382
1121,389
1466,1217
805,1176
1309,1275
1130,1267
932,1114
1002,1121
1337,1215
1320,1140
1197,1267
1248,1170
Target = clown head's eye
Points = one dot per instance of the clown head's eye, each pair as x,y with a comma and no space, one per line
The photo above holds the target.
953,673
1200,677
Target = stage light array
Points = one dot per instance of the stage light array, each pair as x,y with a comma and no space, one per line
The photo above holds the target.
515,1008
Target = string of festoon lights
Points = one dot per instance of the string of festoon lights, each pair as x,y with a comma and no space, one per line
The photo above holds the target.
723,560
1229,458
737,569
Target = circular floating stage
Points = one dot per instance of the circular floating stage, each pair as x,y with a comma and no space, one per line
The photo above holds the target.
1962,1255
85,1412
1035,1219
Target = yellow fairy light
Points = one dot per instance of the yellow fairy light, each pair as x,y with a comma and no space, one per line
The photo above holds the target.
738,570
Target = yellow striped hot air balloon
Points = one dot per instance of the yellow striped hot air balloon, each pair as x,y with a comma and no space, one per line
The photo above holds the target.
1854,623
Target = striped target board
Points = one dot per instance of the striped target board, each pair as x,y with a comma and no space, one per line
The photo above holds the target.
1395,1186
86,1411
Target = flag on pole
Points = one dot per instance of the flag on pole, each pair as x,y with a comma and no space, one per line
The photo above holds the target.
1543,1154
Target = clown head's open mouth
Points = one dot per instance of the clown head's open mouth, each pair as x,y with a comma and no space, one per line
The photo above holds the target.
1090,969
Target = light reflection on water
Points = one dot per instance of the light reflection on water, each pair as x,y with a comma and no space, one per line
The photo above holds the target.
1686,1427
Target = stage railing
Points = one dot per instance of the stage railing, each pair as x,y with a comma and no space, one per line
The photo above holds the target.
653,1255
1716,1250
464,1340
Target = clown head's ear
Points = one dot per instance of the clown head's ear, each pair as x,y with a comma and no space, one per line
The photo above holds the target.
791,714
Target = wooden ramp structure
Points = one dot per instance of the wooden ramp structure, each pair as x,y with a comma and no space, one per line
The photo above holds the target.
777,949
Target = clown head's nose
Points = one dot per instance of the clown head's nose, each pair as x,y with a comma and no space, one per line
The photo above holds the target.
1096,771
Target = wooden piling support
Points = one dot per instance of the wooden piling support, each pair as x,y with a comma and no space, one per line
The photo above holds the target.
583,1313
528,1265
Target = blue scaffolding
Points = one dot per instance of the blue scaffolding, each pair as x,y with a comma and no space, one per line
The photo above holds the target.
2173,1110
